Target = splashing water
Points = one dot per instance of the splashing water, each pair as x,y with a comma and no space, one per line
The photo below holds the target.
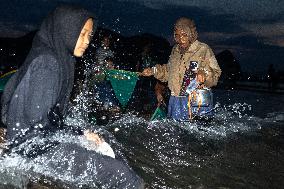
242,147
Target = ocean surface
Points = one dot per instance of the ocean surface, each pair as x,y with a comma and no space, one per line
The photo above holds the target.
242,147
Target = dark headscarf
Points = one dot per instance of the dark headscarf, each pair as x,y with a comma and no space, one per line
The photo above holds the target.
188,26
57,36
60,31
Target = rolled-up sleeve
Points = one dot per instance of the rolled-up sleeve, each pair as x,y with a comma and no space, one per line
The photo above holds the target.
161,72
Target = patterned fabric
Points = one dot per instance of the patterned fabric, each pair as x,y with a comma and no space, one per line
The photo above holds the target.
189,75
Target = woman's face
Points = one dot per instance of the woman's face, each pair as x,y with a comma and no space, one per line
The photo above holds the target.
84,38
181,38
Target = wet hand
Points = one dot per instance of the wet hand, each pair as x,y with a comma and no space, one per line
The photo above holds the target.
200,78
147,72
160,99
94,137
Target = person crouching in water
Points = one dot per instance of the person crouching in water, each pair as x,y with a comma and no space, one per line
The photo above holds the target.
36,98
189,60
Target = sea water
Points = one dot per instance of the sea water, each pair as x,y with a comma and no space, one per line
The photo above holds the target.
242,147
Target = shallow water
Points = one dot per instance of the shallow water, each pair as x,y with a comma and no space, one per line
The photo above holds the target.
242,147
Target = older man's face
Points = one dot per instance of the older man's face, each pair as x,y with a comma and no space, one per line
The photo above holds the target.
181,38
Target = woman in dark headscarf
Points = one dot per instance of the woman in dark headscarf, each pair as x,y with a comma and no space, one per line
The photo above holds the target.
37,95
45,80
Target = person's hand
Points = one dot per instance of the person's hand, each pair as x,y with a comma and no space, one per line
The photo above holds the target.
200,78
94,137
160,99
194,95
147,72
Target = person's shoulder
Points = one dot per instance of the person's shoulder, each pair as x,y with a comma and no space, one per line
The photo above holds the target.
203,45
175,48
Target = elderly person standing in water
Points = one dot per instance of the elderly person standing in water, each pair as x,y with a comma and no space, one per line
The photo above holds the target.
189,59
36,98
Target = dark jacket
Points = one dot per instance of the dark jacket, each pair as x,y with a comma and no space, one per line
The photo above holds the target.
42,86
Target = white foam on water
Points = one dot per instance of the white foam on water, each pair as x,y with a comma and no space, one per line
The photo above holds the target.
160,138
227,120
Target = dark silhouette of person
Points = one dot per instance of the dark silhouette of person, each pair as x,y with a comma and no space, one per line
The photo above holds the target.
146,85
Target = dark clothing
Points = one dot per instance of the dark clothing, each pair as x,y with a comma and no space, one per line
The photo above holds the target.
95,170
145,85
46,78
38,91
105,93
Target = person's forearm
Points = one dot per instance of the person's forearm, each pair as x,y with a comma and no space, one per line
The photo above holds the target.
160,72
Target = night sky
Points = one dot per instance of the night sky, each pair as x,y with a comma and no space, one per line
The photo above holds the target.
252,29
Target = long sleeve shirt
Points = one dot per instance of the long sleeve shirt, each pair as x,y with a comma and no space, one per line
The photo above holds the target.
173,72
